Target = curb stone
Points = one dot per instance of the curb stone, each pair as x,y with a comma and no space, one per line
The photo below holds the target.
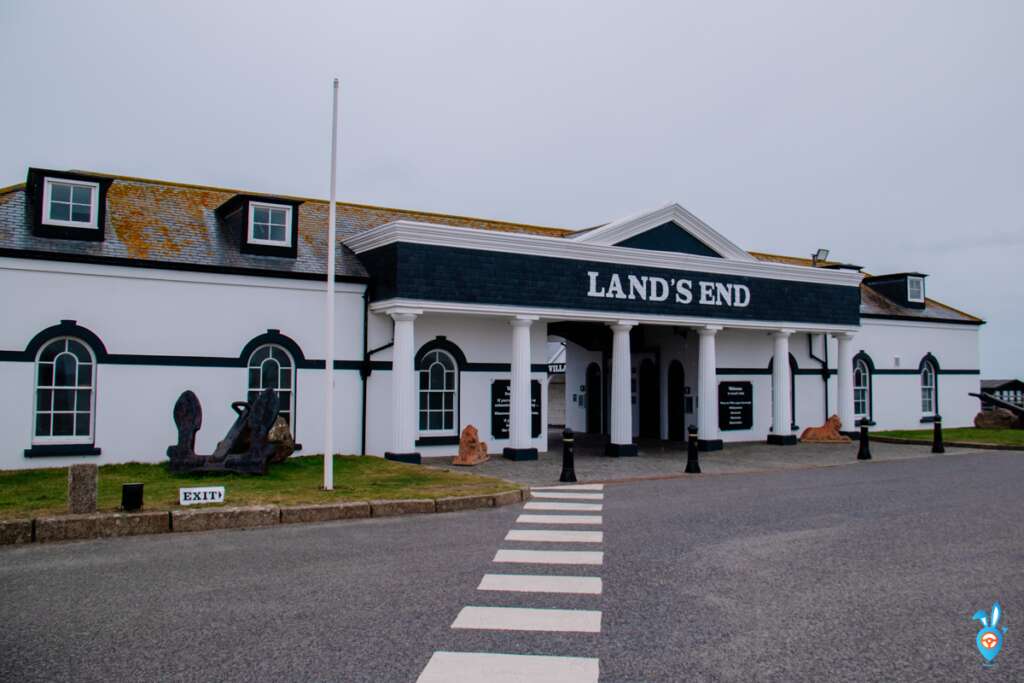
67,527
225,518
15,531
326,512
456,503
508,497
388,508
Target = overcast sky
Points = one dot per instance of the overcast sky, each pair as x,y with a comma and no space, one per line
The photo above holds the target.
888,132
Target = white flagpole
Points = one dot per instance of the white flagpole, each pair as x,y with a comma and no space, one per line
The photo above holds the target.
329,341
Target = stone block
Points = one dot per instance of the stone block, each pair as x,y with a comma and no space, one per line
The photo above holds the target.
133,523
454,504
15,531
225,518
508,497
82,486
387,508
67,527
327,512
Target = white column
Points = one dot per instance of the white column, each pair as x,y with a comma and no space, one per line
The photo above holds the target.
707,387
622,404
782,415
403,385
844,382
519,400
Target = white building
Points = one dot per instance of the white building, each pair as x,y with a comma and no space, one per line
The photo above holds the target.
120,293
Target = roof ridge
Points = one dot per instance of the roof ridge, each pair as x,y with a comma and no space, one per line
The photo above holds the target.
12,188
215,188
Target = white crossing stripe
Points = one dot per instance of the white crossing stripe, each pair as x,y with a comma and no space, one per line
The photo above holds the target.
570,487
559,519
568,507
472,667
567,495
555,536
531,583
550,556
529,619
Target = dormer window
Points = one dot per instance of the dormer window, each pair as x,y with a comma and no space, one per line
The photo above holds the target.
915,289
270,224
70,204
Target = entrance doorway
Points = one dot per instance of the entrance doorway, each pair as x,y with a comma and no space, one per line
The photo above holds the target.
650,414
676,402
593,398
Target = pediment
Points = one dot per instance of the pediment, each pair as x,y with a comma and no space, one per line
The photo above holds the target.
670,228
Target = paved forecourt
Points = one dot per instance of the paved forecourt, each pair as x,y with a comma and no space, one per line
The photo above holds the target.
549,587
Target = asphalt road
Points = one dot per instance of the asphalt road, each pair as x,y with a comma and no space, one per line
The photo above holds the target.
866,572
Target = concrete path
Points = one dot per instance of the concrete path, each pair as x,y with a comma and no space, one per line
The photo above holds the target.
665,459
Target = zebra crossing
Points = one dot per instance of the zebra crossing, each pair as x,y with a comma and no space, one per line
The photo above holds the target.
565,509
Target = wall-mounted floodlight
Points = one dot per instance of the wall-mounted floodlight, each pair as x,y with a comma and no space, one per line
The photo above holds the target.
820,255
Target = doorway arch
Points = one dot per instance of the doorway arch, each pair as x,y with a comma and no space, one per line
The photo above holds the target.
593,394
676,401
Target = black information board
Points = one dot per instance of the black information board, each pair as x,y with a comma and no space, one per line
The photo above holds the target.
501,391
735,405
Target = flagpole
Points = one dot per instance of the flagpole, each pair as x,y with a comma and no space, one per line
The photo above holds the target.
329,304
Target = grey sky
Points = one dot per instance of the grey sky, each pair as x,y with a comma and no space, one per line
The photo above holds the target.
888,132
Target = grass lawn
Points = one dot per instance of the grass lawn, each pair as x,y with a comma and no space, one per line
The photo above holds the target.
28,493
1002,437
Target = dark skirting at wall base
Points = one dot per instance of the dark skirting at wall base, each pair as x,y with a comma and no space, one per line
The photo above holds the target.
620,450
410,458
782,439
707,445
519,453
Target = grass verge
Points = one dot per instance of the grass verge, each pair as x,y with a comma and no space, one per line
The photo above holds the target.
31,493
997,437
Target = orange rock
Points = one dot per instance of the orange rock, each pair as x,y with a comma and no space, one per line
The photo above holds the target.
472,451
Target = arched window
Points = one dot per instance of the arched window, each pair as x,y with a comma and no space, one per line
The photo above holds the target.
861,389
65,398
929,390
271,366
439,393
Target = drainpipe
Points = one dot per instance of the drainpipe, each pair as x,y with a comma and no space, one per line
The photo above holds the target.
366,367
824,365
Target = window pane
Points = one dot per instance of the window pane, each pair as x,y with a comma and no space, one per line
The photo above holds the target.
423,400
66,368
81,195
254,378
260,214
448,420
83,401
253,395
45,376
436,376
81,353
259,232
284,401
278,354
448,401
63,424
43,424
277,216
44,399
449,380
277,233
80,212
64,399
435,401
270,374
435,421
286,378
424,380
423,420
259,356
60,192
81,424
51,350
60,212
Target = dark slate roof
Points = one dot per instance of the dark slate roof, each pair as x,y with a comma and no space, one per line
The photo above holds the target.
166,224
993,384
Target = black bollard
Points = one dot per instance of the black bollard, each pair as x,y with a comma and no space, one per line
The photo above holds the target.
692,459
568,457
865,449
937,446
131,497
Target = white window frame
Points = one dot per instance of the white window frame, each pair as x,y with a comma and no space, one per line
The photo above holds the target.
90,438
249,367
287,242
454,391
866,388
94,214
919,281
929,369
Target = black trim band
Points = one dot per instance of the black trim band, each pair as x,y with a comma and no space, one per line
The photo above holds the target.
437,441
58,450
